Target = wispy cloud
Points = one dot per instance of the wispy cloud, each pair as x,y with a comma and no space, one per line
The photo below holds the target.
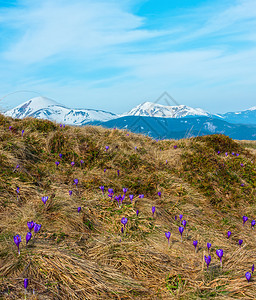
103,51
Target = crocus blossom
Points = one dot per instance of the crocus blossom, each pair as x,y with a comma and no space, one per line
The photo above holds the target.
124,221
17,241
37,228
22,132
240,242
118,173
248,276
131,197
79,209
209,246
195,244
207,260
57,163
125,190
219,253
141,196
28,237
72,164
137,212
102,189
76,181
30,225
253,268
245,219
181,229
229,234
70,193
159,194
44,199
153,210
106,148
253,224
60,155
181,216
184,223
25,283
168,235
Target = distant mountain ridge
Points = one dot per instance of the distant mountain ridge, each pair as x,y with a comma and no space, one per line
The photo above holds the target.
44,108
156,120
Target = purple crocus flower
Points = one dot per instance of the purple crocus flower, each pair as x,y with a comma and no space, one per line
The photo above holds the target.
111,193
181,216
240,242
30,225
79,209
102,189
17,167
207,260
218,152
131,197
153,210
252,268
181,229
137,212
141,196
248,276
25,283
253,224
44,199
28,237
229,234
233,153
106,148
60,125
245,219
10,127
195,244
184,223
241,164
57,163
22,132
60,155
159,194
209,246
242,184
18,191
226,153
166,161
237,154
72,164
64,125
37,228
168,235
219,253
81,162
17,241
76,181
70,193
124,221
122,229
118,172
125,190
135,148
175,146
105,170
175,218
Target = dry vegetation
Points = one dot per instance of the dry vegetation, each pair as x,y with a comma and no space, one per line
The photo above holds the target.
84,255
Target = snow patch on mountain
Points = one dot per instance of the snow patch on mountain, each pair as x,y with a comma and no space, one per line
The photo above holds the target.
44,108
149,109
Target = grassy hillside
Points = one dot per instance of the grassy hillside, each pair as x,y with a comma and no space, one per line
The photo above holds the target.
85,255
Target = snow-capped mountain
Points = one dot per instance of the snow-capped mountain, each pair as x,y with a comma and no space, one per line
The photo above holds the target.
149,109
44,108
241,117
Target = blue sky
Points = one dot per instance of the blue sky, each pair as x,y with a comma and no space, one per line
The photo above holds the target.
114,55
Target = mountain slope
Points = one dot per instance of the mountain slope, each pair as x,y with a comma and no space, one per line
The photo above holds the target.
173,128
85,255
44,108
241,117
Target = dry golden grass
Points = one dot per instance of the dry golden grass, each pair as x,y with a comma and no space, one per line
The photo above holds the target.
85,255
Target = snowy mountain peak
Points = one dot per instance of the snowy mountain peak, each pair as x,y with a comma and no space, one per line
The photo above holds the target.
44,108
150,109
